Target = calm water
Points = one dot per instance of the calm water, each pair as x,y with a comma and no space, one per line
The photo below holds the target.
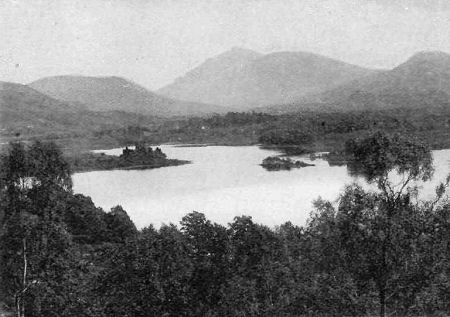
223,182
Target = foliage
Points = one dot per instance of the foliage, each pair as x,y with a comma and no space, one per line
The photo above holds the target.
276,163
34,243
377,155
375,251
286,137
141,158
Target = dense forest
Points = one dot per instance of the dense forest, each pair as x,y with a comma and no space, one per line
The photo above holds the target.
308,131
313,130
380,252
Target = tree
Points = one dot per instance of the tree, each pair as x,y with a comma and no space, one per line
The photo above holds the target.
85,222
148,276
34,183
119,225
208,248
381,231
257,267
327,286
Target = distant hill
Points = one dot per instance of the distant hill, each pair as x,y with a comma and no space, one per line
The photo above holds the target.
248,79
422,81
115,93
28,112
25,109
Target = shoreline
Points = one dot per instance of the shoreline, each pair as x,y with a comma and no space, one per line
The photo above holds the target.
172,162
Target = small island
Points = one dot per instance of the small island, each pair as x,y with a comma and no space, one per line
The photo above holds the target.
276,163
142,157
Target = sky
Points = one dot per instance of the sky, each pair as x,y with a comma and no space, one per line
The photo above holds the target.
154,41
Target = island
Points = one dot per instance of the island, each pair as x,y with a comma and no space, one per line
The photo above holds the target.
142,157
276,163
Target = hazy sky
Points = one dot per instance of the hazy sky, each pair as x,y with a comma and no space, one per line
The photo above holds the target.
154,41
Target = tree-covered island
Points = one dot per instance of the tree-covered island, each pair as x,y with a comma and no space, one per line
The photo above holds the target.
142,157
276,163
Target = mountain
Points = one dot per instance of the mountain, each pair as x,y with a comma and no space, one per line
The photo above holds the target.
422,81
219,80
247,79
115,93
25,109
28,112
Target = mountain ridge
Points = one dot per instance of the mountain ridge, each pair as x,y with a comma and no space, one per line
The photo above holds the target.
423,80
109,93
246,78
29,113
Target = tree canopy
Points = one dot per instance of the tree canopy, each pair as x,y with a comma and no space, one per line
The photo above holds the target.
375,251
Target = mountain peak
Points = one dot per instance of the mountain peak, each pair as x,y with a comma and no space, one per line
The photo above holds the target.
426,63
429,56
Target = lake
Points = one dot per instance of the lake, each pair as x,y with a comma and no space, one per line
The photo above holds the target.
223,182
